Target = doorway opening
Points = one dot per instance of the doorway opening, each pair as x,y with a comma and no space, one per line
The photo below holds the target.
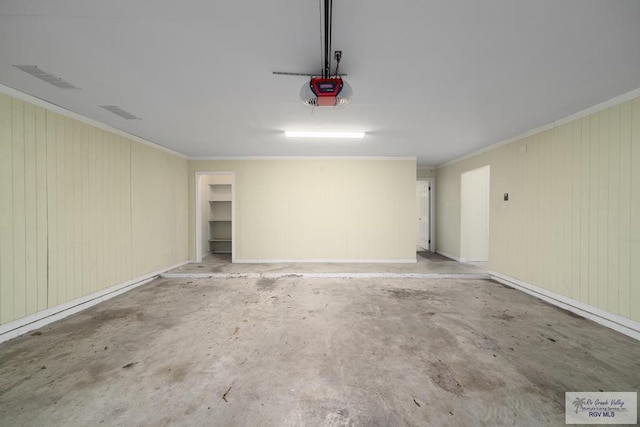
474,215
215,215
424,212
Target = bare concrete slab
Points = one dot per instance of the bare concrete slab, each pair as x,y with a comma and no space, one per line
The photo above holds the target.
426,264
303,351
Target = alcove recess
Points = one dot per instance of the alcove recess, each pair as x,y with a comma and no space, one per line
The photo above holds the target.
220,225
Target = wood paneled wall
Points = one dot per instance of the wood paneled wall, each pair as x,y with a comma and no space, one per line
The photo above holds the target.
572,224
81,209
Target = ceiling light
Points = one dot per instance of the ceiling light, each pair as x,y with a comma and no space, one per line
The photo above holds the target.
47,77
317,134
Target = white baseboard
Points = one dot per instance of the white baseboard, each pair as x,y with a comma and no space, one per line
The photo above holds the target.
455,258
618,323
37,320
321,260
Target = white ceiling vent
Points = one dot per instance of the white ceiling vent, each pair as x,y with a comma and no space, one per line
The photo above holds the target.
120,112
47,77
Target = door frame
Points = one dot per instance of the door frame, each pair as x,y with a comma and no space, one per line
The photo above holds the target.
466,257
198,225
432,212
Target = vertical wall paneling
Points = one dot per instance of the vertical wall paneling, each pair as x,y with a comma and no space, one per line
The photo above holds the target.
62,184
576,218
541,208
540,192
535,191
6,211
66,209
520,245
584,208
554,214
107,207
635,212
560,168
567,206
63,200
127,255
624,224
93,226
548,194
117,201
118,195
86,214
113,267
613,217
574,200
52,210
110,221
603,209
19,201
119,191
41,207
153,236
116,263
594,187
527,186
76,211
31,214
100,204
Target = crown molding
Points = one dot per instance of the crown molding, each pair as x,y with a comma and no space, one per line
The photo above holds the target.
580,114
68,113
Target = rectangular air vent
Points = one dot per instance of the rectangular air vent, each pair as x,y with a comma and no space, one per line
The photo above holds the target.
47,77
120,112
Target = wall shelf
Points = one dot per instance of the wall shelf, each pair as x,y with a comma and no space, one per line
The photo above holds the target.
220,214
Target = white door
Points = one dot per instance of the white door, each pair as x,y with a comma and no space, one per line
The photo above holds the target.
422,197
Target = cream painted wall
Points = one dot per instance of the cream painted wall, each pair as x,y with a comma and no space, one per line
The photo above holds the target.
425,173
319,209
81,209
571,225
205,211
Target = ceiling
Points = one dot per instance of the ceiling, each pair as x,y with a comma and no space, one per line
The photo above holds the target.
432,79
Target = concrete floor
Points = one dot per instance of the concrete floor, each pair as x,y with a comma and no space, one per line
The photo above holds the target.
296,351
435,264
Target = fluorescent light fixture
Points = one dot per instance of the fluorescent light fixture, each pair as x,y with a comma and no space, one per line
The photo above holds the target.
319,134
